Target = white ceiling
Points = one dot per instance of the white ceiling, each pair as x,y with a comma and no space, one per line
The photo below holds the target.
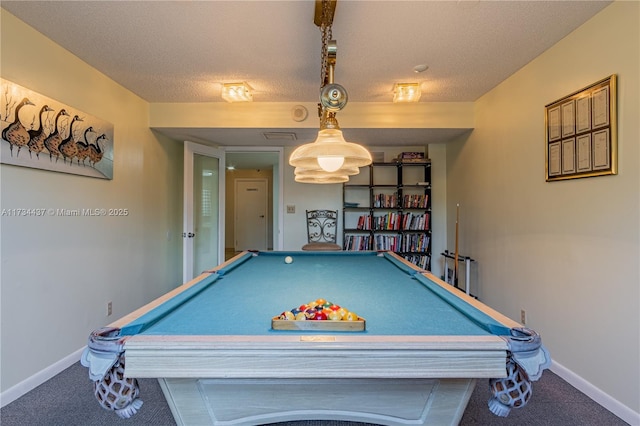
182,51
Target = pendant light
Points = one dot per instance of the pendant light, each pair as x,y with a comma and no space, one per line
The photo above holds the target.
330,158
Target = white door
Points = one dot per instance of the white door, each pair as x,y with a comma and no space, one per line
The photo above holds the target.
203,233
251,210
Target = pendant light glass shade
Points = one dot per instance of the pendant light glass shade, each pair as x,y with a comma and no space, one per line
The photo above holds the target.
322,180
330,145
319,175
348,171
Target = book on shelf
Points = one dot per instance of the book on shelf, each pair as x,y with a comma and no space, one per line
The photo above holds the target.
415,222
423,260
356,242
411,157
364,222
393,222
415,243
387,222
415,201
387,242
413,160
385,200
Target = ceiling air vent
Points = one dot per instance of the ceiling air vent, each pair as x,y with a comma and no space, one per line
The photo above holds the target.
279,136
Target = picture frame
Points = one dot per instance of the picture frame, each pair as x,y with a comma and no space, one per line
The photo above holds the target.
583,153
42,133
568,156
553,167
568,119
581,133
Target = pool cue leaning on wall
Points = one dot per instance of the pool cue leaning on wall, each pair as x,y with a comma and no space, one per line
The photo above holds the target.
455,261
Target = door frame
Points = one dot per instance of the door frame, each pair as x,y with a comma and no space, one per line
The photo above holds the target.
278,189
191,148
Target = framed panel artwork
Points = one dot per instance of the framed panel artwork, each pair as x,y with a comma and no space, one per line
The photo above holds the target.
581,133
42,133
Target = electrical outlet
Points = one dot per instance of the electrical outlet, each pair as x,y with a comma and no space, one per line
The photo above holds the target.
523,316
109,308
291,208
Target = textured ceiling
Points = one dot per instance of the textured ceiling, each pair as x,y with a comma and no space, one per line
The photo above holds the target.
182,51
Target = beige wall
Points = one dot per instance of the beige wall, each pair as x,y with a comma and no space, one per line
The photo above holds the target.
567,252
58,273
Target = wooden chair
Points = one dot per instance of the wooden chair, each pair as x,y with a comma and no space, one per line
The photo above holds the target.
321,230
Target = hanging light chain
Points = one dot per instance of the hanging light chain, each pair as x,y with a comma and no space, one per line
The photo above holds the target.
326,32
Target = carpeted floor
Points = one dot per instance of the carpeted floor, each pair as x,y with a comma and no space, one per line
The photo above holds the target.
67,400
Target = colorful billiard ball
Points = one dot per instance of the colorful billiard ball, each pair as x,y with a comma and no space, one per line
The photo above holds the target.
334,307
301,316
321,301
288,315
351,316
343,312
288,259
335,316
320,316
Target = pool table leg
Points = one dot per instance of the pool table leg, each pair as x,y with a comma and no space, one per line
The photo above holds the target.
260,401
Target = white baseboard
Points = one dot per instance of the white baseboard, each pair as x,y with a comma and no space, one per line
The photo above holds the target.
613,405
39,378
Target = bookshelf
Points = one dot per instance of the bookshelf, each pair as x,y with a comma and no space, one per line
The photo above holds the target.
388,207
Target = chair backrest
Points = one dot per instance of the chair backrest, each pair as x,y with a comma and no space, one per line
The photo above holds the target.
322,226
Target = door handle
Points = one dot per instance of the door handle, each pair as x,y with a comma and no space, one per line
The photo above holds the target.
188,235
262,216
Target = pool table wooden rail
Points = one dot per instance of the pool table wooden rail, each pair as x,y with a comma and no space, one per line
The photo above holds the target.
298,357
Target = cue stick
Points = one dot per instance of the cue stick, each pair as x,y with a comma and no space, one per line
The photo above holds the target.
455,261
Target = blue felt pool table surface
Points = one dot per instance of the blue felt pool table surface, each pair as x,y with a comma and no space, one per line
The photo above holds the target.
246,293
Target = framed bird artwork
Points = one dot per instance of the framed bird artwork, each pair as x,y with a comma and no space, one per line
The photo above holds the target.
42,133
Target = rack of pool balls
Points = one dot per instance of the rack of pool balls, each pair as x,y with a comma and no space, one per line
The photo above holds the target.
318,315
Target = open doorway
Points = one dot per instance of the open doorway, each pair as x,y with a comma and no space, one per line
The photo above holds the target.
246,164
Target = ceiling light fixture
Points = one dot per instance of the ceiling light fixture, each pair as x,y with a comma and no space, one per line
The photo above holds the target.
237,92
330,158
406,92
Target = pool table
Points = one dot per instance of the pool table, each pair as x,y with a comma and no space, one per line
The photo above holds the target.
211,345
